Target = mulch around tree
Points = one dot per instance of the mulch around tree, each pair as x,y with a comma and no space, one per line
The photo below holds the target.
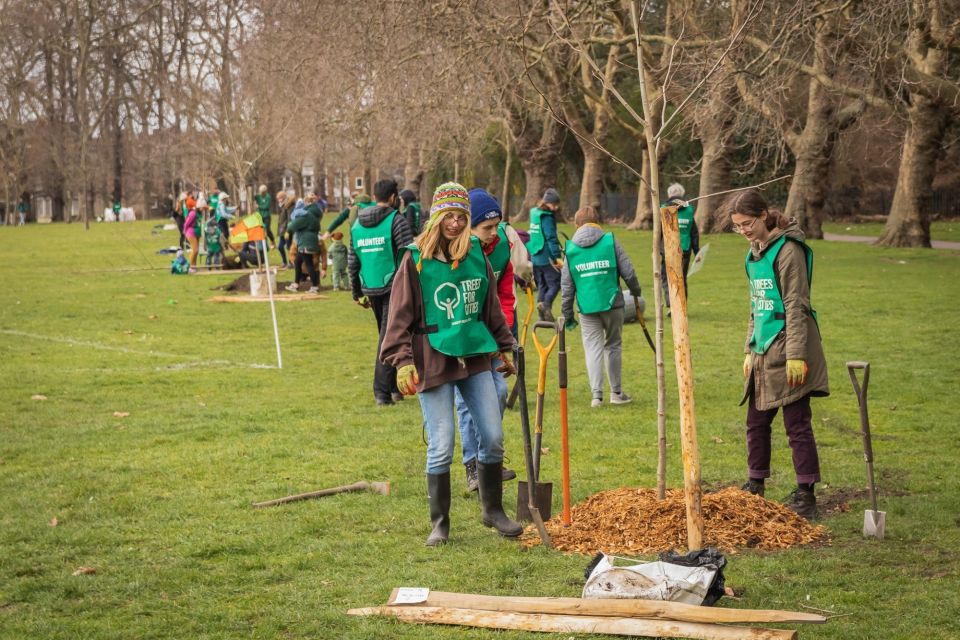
629,521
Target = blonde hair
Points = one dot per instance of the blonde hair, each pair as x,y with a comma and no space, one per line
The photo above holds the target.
263,188
431,242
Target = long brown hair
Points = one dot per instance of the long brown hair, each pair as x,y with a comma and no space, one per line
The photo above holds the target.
750,203
431,241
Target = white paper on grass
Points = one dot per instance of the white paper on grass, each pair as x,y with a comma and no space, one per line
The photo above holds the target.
649,581
411,595
697,263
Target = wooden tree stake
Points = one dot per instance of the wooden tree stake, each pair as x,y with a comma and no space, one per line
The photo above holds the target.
684,364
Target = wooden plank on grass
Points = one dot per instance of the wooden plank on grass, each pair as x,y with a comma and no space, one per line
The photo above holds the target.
611,607
286,297
637,627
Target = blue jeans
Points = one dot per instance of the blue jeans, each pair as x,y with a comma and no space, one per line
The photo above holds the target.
469,438
480,395
548,283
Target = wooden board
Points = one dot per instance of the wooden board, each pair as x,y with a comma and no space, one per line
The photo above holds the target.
285,297
637,627
225,272
610,607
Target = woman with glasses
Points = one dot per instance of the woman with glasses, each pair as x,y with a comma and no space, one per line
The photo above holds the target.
784,364
443,326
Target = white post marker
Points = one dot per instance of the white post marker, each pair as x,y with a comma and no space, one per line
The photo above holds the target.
273,309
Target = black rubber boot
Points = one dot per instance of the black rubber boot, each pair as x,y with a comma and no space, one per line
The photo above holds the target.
438,496
491,500
753,486
803,503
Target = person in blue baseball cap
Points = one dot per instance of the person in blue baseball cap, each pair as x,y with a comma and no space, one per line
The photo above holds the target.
486,223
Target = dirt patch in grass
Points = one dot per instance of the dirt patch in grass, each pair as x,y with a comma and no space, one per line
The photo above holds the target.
242,285
632,521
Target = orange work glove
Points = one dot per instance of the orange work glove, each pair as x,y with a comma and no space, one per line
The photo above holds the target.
797,372
407,379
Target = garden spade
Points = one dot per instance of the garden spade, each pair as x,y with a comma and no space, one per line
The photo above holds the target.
512,400
543,351
529,494
874,521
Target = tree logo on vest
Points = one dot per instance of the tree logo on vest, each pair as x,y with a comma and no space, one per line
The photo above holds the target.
448,303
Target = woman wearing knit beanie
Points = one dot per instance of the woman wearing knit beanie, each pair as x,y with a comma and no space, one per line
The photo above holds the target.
444,324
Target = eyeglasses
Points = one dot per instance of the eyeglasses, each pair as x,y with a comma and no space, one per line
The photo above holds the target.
458,219
740,228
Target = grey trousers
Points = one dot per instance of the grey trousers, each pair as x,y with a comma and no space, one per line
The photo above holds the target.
601,334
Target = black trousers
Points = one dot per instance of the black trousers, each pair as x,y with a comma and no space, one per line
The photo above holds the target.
180,220
306,259
384,376
663,276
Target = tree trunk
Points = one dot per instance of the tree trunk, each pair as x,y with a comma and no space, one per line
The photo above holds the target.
591,186
540,173
908,224
538,140
808,191
813,151
367,178
643,219
716,164
413,169
505,192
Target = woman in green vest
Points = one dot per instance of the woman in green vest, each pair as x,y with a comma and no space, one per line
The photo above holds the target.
444,324
544,247
595,264
784,364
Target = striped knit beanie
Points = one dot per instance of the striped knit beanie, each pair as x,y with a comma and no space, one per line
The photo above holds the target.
450,196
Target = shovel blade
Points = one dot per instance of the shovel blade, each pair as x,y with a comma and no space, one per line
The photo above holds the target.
874,523
544,498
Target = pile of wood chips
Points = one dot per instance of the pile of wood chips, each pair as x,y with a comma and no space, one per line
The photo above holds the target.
632,521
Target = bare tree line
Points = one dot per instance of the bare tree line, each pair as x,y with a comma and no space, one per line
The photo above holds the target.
147,96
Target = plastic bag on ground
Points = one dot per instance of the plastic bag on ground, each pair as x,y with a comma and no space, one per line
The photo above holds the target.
690,579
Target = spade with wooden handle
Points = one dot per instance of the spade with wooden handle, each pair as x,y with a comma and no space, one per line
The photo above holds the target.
874,521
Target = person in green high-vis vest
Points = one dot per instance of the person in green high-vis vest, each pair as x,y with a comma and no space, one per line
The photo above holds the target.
262,200
591,276
487,225
378,238
689,236
445,325
784,365
544,248
412,210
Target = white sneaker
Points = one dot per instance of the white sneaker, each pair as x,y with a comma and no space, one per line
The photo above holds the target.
596,402
620,398
292,287
313,290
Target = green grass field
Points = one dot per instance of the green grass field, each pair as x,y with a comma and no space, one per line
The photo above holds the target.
158,502
947,230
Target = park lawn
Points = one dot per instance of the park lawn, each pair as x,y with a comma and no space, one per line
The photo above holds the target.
946,230
158,502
